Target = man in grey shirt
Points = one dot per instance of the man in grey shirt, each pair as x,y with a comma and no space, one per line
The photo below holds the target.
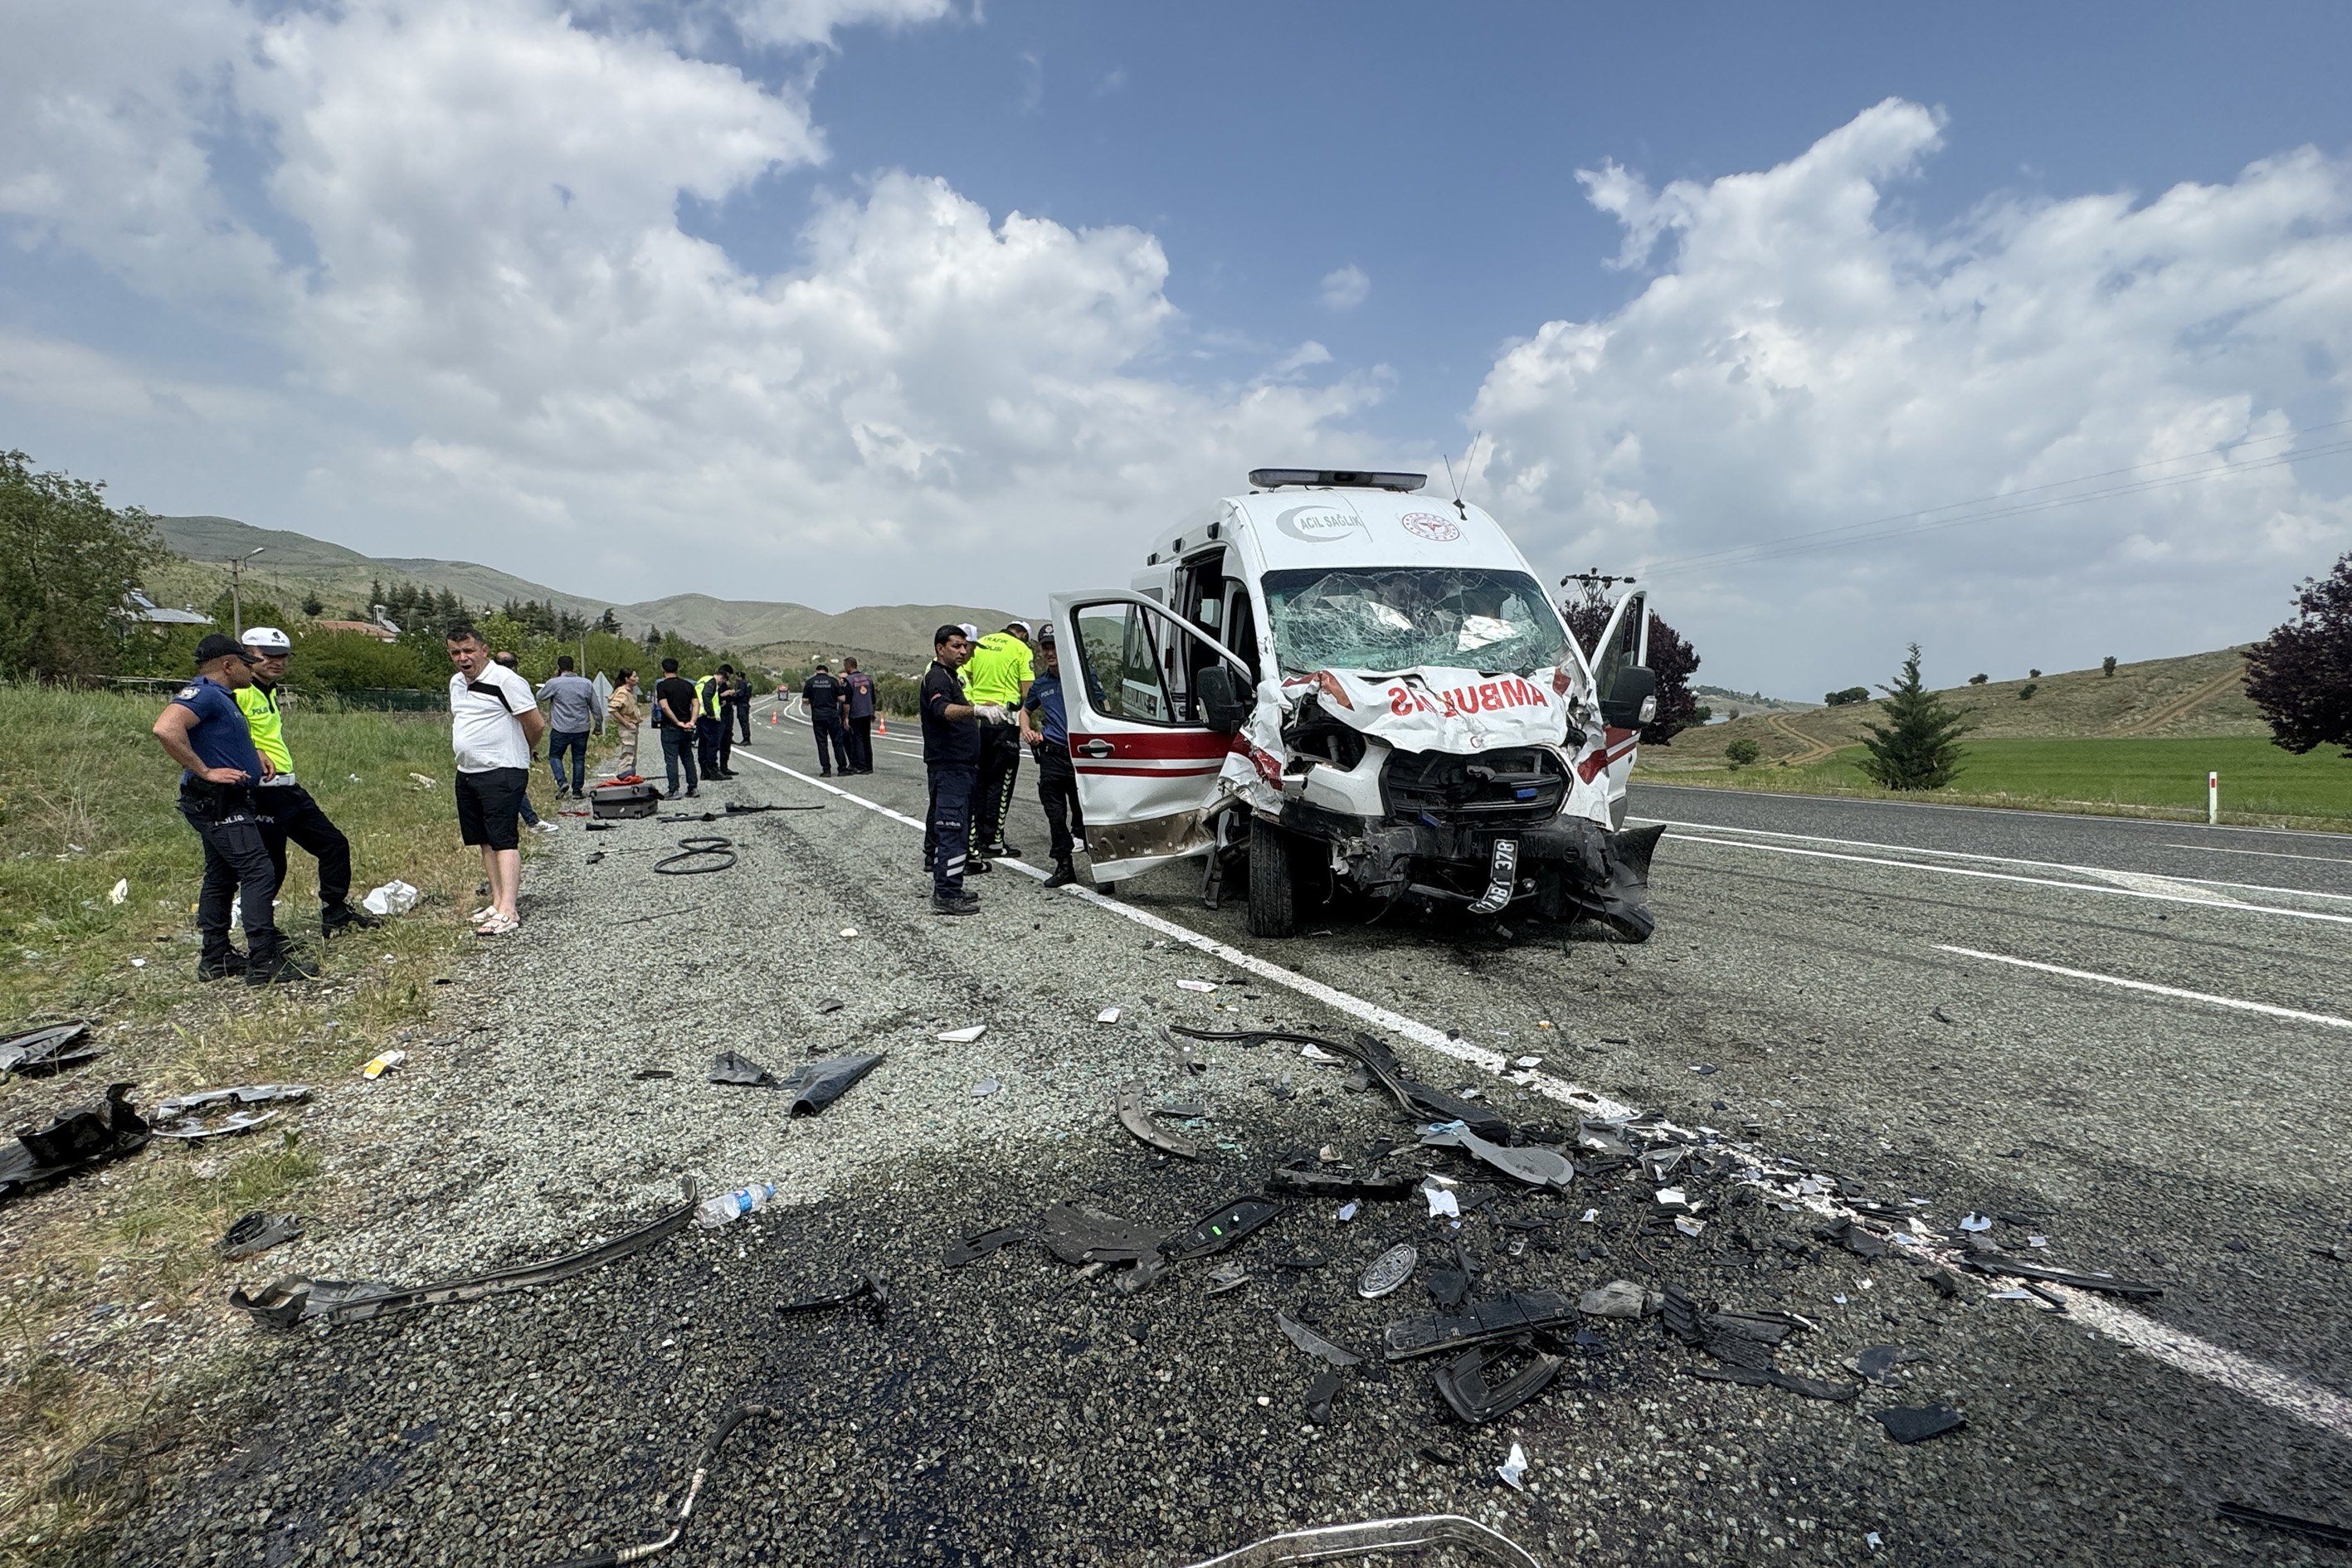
572,709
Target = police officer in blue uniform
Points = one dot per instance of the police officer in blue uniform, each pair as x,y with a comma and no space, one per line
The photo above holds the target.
204,731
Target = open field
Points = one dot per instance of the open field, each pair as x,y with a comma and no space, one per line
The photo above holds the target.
112,1290
2260,785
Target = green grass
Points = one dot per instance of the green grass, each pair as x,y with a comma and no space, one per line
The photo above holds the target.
2260,785
86,800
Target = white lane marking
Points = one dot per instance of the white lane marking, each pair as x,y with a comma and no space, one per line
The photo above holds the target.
2175,1348
2169,824
2306,1402
2329,1019
2121,875
2265,853
2228,907
1421,1034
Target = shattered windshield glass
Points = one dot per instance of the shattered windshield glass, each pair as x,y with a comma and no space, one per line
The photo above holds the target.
1381,618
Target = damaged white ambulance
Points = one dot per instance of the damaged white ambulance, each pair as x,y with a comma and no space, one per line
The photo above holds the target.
1357,691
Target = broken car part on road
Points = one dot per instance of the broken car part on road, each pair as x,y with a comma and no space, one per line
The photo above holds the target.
697,855
77,1139
865,1288
1314,1344
811,1086
1332,1542
296,1300
1470,1387
177,1118
1389,1271
1535,1167
727,1423
1137,1121
40,1052
256,1232
2312,1529
1519,1312
2017,1269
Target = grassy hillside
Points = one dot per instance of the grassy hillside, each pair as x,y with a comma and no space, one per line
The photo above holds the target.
293,565
2202,694
2139,742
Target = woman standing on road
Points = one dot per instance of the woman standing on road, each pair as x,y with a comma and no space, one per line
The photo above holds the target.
622,709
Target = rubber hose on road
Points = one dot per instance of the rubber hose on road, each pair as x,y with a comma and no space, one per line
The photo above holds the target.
728,1422
697,855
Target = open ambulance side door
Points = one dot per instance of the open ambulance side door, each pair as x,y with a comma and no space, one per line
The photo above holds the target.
1623,643
1146,760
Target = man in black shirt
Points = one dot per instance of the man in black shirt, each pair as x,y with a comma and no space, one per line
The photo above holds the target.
676,708
951,757
823,695
739,705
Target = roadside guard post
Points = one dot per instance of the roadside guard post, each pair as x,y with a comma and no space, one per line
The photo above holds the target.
2212,798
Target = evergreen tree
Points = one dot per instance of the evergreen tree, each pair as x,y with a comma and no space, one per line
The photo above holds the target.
1918,747
608,623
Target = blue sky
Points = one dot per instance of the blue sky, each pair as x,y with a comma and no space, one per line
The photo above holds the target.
641,299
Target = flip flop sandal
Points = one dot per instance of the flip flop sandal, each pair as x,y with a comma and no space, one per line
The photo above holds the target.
497,925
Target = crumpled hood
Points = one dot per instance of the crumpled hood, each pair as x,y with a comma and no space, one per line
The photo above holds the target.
1434,708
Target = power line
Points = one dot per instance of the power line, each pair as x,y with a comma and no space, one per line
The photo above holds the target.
1916,521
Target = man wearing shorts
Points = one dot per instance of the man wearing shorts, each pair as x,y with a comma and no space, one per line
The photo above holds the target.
494,721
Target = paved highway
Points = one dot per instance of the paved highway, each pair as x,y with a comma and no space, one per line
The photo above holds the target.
2083,1028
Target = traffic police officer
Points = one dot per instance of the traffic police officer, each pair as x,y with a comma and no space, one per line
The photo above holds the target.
951,758
823,695
998,675
714,742
287,812
204,731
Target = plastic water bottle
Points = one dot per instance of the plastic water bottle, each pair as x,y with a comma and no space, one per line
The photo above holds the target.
728,1207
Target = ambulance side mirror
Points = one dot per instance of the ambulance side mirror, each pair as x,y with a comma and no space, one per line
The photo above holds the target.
1225,698
1633,699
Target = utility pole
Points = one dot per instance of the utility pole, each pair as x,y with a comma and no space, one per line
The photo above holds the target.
236,600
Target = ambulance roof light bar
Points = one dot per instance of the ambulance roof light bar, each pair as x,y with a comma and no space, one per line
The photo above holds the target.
1336,479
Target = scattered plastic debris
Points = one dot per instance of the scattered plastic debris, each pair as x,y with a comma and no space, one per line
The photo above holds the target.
1404,1536
1314,1344
986,1088
1907,1423
962,1037
1348,1211
733,1066
257,1233
1441,1200
2129,1289
82,1138
1469,1383
1203,985
1975,1222
1320,1395
422,782
1870,1539
394,897
1389,1271
1226,1277
40,1052
727,1423
1688,1226
1518,1312
1535,1167
384,1064
972,1249
813,1086
121,891
848,931
866,1290
1133,1117
1514,1470
1230,1222
1080,1233
831,1005
1108,1015
294,1301
1619,1299
1876,1361
2316,1529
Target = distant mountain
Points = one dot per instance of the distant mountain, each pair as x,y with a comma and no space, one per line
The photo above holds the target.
292,564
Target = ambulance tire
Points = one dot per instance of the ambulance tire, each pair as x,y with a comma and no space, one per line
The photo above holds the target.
1273,881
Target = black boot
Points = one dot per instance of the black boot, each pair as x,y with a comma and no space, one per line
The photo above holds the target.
1064,875
336,919
226,965
274,968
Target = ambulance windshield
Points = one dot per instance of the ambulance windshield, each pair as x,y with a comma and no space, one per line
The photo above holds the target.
1377,619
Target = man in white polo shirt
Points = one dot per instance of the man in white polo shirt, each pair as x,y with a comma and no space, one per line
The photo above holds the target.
493,722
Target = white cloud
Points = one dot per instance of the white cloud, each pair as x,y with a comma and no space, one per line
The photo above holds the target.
508,347
1344,287
1807,358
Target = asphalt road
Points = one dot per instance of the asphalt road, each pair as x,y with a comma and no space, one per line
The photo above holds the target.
2143,1115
